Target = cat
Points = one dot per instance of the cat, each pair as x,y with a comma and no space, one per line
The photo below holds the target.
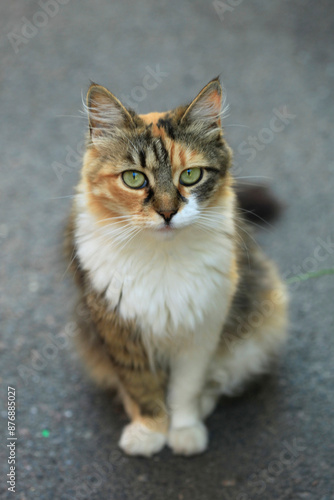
181,304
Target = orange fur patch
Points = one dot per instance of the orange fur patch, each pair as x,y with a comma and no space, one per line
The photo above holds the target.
153,118
171,153
182,157
157,423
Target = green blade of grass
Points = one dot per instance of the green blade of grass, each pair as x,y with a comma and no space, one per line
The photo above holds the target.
307,276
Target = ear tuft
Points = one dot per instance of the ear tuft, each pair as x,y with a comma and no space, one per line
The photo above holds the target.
105,112
206,107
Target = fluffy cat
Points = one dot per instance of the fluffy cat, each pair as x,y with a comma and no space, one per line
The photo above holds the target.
181,305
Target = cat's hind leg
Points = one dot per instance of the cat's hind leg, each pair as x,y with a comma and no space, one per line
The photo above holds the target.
247,347
92,350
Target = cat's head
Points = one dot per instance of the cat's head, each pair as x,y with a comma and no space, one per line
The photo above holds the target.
159,172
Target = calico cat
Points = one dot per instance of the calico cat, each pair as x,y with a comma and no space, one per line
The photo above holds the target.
181,304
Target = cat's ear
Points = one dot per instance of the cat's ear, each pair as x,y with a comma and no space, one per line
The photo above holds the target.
205,109
105,113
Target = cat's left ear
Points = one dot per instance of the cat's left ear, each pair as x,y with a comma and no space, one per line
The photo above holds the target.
105,112
205,109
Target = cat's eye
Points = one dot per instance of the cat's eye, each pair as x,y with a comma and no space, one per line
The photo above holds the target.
191,176
134,179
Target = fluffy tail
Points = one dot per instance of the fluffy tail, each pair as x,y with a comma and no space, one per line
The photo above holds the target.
258,203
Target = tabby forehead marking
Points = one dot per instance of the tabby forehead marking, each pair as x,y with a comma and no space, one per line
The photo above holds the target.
153,119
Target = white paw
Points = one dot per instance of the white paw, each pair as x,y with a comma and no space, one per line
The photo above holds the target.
137,439
188,440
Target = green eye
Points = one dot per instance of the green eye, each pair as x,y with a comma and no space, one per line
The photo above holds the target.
191,176
134,179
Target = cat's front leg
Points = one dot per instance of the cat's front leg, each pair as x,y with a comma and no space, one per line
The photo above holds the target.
143,397
188,435
142,389
115,352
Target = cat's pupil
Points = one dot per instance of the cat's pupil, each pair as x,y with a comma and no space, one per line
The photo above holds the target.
189,171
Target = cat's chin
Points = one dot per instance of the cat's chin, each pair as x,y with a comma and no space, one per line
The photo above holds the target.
165,233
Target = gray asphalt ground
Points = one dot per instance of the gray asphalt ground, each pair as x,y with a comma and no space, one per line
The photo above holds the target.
276,440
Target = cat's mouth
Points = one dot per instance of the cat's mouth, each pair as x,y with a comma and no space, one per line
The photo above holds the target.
167,228
166,231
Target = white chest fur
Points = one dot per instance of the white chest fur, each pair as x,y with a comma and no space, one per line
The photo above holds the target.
168,286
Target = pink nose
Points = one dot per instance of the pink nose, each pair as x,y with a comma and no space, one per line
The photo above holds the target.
167,214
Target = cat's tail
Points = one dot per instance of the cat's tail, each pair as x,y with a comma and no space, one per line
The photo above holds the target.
258,203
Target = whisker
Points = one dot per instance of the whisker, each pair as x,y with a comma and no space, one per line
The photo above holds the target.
61,197
239,209
121,238
206,228
137,231
68,196
70,116
254,177
111,240
246,183
214,214
72,258
118,230
236,125
248,234
115,226
117,217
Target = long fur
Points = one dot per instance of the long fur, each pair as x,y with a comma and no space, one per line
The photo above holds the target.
181,304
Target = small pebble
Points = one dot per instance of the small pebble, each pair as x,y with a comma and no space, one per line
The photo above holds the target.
228,482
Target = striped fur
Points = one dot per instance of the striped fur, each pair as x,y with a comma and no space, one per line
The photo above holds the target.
181,305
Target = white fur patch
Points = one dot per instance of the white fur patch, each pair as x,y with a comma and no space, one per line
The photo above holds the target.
170,286
188,440
136,439
188,214
249,358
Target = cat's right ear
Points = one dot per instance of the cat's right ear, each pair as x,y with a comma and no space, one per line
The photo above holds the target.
105,113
